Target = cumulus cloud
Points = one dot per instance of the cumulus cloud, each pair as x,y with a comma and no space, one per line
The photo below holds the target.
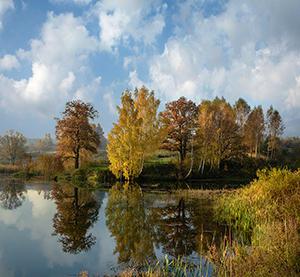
120,21
8,62
58,58
249,50
5,5
110,102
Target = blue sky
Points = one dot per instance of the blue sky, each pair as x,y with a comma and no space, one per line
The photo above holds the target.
52,51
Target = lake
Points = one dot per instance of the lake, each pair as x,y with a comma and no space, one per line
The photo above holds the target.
58,230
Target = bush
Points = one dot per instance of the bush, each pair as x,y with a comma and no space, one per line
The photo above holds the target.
269,211
49,165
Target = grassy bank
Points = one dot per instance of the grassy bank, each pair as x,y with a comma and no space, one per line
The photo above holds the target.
268,211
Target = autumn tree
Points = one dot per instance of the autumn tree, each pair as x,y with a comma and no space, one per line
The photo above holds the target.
254,130
242,110
136,135
275,128
217,136
12,146
76,135
179,121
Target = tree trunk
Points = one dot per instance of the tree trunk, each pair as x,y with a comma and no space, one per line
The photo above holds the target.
77,160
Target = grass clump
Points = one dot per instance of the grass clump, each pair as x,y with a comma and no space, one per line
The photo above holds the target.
267,211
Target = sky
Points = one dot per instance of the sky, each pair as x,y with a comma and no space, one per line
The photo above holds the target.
54,51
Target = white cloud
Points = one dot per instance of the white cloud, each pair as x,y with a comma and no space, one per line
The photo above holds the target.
250,50
8,62
87,92
134,80
120,21
110,102
58,60
5,5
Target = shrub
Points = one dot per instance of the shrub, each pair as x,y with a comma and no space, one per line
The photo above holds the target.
269,210
49,165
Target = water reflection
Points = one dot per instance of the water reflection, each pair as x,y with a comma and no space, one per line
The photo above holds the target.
128,223
12,193
111,230
174,228
76,212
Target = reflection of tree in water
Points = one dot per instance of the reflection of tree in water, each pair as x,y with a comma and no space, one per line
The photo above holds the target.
12,193
174,229
127,221
76,212
185,226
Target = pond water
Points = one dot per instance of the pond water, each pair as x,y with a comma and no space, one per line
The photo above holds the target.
57,230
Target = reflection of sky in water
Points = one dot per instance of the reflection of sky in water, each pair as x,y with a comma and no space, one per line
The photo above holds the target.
29,248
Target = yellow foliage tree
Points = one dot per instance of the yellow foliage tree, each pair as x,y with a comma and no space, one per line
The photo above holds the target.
136,135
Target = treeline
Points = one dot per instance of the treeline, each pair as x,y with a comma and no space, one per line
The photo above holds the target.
197,137
202,136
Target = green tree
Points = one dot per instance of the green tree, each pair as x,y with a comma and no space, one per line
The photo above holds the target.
12,146
136,134
76,135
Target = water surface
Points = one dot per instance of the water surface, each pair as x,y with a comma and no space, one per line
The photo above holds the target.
58,230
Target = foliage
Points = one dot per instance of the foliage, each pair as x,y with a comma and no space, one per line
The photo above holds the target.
136,135
12,146
269,210
275,130
179,121
75,134
217,136
242,110
49,165
254,130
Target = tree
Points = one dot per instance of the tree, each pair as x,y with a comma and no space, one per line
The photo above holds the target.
136,135
75,135
179,121
218,137
254,130
275,130
12,146
242,110
44,144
